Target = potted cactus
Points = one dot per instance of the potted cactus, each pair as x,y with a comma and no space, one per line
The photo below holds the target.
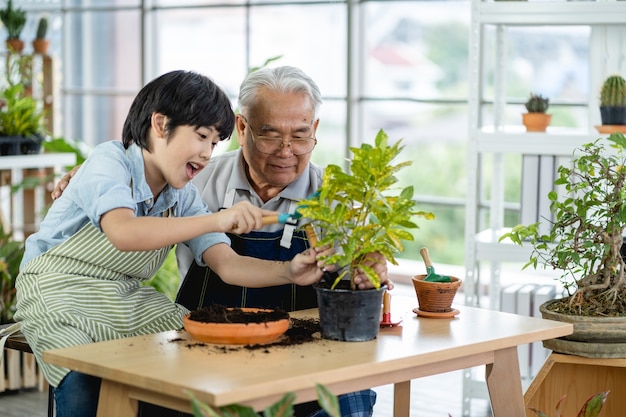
40,44
14,20
613,101
536,119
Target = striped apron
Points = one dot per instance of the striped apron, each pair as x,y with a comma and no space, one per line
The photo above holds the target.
84,290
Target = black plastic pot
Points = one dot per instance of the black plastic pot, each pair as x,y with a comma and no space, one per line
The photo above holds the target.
20,145
349,316
611,115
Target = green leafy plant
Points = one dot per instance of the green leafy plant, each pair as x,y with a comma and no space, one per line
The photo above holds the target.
364,211
585,238
591,407
536,103
282,408
20,115
613,91
11,253
13,19
42,28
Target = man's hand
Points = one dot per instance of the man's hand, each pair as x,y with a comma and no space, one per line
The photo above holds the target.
63,182
378,262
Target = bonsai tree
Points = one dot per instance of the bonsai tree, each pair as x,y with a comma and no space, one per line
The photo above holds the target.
613,100
363,211
537,103
586,237
13,20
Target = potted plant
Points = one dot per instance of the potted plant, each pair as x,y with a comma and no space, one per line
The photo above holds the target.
40,44
591,407
21,122
584,243
536,119
14,20
613,101
360,213
11,252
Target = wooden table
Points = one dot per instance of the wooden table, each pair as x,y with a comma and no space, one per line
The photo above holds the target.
162,368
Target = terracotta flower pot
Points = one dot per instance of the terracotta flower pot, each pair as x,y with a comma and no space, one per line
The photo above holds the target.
536,122
40,46
15,45
435,297
237,333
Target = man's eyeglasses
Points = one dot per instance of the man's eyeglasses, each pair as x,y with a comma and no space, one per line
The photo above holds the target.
269,145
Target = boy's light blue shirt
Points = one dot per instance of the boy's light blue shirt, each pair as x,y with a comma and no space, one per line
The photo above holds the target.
103,183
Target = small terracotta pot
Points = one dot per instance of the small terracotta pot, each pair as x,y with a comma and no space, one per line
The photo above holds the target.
15,45
40,46
536,122
435,297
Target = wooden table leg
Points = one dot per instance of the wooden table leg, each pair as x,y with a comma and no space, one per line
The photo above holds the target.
115,401
505,384
402,399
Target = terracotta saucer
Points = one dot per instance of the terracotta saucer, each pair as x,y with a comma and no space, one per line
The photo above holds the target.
444,315
610,128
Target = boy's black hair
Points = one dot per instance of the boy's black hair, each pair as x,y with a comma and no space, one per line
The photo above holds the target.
185,98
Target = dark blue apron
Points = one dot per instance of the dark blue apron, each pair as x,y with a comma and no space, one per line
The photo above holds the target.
202,286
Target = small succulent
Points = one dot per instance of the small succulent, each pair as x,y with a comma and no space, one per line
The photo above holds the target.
42,28
613,92
537,103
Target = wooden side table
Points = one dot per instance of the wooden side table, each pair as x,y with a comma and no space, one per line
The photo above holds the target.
579,378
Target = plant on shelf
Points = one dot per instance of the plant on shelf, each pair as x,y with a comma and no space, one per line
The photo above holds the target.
11,252
536,119
14,20
584,243
591,407
282,408
40,44
613,100
21,122
360,213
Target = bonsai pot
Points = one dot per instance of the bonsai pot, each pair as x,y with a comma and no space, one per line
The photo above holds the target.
435,297
221,325
349,315
536,122
593,337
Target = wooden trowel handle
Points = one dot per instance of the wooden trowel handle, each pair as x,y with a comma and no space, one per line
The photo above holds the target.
426,257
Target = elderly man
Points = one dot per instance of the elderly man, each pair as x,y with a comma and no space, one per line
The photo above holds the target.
276,130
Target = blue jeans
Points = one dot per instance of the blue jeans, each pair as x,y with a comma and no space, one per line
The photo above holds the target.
77,395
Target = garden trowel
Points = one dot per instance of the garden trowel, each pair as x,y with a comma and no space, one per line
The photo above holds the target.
430,269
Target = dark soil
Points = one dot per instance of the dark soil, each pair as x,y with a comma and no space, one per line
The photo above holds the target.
591,307
300,330
219,314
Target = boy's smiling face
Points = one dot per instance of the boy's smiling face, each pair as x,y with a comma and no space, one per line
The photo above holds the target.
177,157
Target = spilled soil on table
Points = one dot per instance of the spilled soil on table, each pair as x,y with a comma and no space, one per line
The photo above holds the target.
300,330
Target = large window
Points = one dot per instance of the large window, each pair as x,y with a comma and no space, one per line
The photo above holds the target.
396,65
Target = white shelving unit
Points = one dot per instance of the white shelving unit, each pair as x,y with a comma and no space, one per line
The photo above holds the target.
16,167
607,22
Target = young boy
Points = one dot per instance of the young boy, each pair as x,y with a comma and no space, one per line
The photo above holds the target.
130,202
